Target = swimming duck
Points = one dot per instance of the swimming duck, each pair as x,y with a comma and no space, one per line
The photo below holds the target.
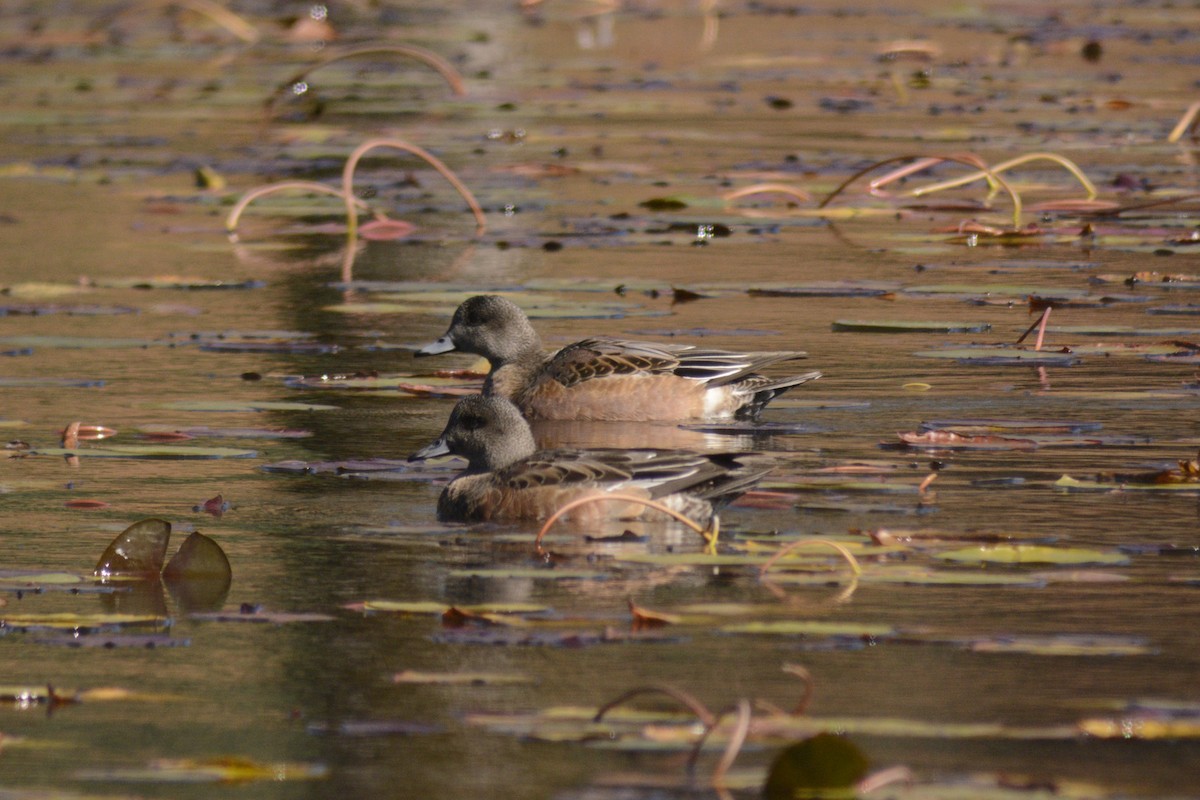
610,379
508,479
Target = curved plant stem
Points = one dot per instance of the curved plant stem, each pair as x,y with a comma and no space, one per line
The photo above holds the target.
734,746
809,687
884,777
428,57
432,160
683,698
235,214
206,8
1066,163
967,159
767,188
841,548
1187,122
710,534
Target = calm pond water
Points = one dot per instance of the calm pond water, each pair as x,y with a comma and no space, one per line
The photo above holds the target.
126,305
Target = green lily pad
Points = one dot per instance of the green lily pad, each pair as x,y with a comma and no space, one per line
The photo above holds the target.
1064,645
460,678
825,766
799,627
231,770
432,607
80,622
138,551
1069,484
986,290
1030,554
530,573
908,326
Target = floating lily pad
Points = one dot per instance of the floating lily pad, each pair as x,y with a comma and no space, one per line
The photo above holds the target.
1064,645
148,451
1031,554
908,326
34,382
556,574
1000,355
77,622
78,342
235,406
231,770
797,627
460,678
824,289
1069,484
435,608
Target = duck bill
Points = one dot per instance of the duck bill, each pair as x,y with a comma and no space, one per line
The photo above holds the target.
437,448
442,345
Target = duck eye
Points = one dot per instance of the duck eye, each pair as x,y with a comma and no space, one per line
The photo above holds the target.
472,422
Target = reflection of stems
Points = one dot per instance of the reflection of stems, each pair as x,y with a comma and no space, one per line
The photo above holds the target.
432,160
683,698
221,16
1187,122
767,188
235,213
710,534
443,67
1066,163
841,548
967,159
732,747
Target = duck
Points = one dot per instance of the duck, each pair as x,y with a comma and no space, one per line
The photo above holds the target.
609,379
508,479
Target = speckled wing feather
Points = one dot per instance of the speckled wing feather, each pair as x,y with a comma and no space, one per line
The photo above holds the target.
599,357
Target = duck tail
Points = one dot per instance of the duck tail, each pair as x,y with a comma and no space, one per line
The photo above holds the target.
759,390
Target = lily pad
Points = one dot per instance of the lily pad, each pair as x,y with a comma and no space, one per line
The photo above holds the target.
796,627
1031,554
138,551
147,451
1000,355
908,326
236,406
230,770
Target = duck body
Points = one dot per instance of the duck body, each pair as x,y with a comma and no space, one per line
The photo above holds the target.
610,379
508,479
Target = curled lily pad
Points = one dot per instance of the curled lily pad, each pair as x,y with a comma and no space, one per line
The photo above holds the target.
137,552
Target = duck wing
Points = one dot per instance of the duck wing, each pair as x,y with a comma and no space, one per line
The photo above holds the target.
600,357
